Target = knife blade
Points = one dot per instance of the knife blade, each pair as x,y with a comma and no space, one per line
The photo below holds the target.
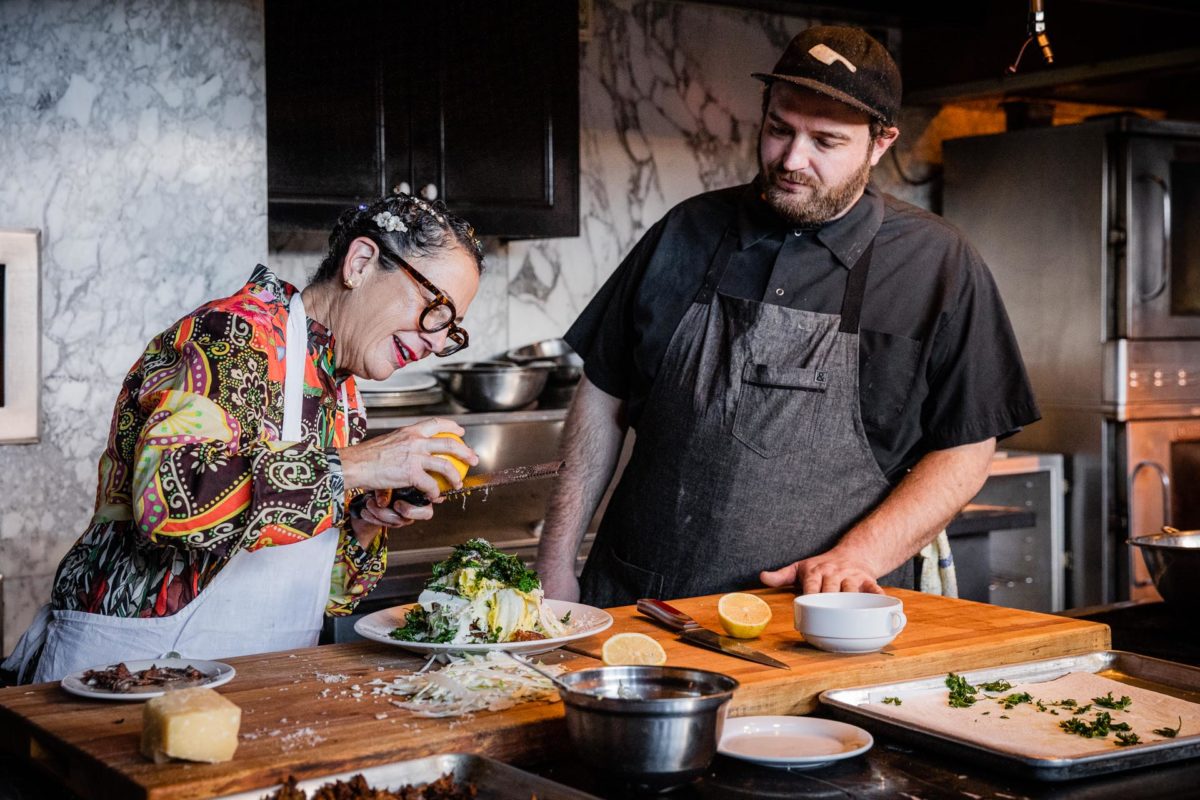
472,483
694,633
729,646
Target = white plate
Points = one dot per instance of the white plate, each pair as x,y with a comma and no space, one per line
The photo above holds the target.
402,380
219,674
792,742
585,621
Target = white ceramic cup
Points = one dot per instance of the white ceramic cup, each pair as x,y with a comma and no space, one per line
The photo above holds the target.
849,622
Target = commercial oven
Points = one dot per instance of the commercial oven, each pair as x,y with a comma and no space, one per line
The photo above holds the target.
1092,232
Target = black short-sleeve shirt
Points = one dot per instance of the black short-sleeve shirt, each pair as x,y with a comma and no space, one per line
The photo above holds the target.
938,363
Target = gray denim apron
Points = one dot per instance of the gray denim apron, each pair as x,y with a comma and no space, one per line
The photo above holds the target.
750,453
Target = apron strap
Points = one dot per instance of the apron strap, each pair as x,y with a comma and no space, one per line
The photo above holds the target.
295,355
856,288
716,267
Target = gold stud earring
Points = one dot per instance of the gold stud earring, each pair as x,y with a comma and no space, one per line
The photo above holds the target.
349,283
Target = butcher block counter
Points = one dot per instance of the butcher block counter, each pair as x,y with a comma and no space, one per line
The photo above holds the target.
310,712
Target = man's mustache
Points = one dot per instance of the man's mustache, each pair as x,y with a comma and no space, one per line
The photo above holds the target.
797,177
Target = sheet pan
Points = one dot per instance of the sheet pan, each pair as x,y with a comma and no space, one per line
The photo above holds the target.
862,706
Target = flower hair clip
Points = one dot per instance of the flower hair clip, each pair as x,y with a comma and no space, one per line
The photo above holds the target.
387,221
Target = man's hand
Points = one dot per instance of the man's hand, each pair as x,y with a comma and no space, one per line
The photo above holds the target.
827,572
938,486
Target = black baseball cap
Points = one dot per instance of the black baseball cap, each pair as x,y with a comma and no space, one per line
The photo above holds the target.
845,63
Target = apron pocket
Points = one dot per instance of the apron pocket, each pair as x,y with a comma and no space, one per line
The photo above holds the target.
777,408
632,580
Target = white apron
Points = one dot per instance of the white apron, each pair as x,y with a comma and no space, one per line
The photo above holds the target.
268,600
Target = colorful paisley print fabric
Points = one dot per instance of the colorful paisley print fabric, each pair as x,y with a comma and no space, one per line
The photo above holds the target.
195,471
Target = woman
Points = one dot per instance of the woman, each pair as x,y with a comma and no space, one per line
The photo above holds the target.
222,522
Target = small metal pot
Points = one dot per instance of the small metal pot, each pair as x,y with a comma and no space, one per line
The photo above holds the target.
492,385
1173,559
650,728
567,365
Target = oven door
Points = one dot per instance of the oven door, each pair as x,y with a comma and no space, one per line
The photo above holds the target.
1163,459
1161,287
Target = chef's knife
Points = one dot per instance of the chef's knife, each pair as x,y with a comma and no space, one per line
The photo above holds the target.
691,632
472,483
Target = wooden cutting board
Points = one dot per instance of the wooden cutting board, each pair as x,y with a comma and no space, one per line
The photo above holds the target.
942,635
302,716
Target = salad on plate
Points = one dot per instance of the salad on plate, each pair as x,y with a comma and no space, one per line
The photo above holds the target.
480,595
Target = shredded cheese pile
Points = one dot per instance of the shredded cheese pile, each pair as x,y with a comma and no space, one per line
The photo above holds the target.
467,684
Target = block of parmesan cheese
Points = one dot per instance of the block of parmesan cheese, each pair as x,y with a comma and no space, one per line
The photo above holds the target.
193,724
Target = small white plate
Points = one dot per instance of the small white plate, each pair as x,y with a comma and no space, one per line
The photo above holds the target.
219,673
585,621
792,742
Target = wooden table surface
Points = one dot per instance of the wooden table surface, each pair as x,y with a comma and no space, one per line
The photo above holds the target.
301,714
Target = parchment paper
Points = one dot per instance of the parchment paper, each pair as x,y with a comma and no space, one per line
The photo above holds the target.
1031,733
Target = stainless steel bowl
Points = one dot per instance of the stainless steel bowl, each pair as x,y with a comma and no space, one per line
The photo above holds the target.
650,728
568,366
1173,558
492,385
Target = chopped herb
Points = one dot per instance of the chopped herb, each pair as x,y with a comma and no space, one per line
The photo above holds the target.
1055,713
894,701
1108,702
995,686
478,553
1097,729
566,618
962,694
1170,733
1040,705
1015,699
1120,726
1068,703
417,628
986,713
1126,739
1082,709
1004,716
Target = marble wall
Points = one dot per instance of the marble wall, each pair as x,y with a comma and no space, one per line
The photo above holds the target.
132,133
667,110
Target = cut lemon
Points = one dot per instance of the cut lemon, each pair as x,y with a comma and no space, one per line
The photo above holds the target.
460,465
632,649
743,616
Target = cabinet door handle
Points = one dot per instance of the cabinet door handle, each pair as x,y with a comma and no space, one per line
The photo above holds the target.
1165,268
429,191
402,188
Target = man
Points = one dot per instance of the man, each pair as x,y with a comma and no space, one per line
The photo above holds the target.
816,373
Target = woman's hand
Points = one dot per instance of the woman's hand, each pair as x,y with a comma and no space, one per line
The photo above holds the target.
405,457
375,518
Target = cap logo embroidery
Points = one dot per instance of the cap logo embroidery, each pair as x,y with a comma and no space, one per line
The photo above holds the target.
827,56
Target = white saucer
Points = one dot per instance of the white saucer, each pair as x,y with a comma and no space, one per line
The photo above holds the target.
792,742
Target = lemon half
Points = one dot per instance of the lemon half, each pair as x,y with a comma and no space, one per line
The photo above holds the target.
743,616
625,649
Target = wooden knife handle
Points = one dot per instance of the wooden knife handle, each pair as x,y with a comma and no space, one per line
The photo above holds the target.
668,615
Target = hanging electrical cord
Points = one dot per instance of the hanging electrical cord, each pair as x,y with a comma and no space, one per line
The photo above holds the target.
1037,32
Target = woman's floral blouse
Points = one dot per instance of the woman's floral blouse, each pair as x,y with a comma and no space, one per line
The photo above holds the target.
195,471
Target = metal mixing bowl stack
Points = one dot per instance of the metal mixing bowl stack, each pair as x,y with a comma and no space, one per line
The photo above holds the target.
651,728
1173,558
492,385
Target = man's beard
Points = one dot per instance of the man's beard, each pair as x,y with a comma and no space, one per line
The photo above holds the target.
822,204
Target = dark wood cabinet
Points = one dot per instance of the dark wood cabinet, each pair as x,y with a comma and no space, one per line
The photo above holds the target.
476,103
